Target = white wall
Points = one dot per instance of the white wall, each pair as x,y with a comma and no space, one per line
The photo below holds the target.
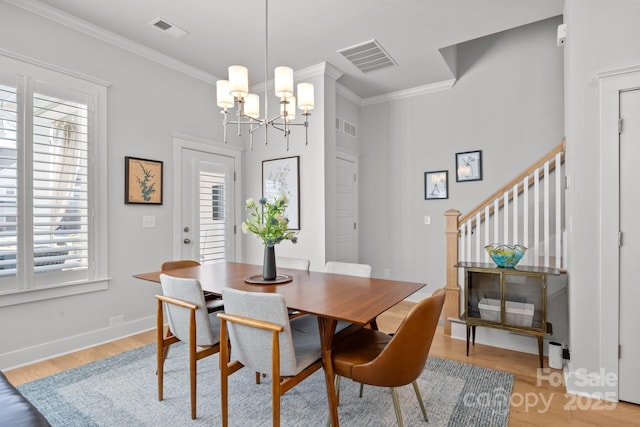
508,102
146,103
601,36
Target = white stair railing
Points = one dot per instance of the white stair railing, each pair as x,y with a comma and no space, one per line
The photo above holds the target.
527,211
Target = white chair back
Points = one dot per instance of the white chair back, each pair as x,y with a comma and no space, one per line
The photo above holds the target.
207,328
348,268
251,346
295,263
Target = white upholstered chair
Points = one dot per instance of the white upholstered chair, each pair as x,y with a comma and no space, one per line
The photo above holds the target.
348,268
295,263
189,322
257,324
214,302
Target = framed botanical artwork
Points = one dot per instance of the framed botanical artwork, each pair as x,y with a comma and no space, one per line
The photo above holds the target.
282,177
436,185
469,166
142,181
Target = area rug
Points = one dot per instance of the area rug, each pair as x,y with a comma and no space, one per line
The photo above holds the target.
121,391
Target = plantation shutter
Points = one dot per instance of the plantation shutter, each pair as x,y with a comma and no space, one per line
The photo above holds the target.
8,180
60,177
212,217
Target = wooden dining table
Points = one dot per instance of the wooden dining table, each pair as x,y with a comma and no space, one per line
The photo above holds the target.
331,297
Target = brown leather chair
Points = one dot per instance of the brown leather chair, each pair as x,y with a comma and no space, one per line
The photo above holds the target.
213,301
375,358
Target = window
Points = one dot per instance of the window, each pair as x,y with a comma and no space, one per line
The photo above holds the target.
212,217
51,157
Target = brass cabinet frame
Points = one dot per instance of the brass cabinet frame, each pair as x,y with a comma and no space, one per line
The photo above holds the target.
471,322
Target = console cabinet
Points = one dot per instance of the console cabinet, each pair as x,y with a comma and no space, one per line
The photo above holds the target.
513,299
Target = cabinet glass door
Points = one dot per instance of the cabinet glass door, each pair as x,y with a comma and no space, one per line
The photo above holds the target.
524,300
483,298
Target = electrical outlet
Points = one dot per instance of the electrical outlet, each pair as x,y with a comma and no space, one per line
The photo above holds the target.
387,273
427,219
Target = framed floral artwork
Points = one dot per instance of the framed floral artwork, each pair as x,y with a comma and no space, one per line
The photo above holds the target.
436,185
282,177
142,181
469,166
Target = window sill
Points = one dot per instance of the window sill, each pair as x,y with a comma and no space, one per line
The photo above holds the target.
39,294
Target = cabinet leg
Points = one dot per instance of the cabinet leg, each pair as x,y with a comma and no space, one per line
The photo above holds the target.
473,335
541,351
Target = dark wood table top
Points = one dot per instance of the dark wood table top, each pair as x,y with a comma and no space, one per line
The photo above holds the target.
334,296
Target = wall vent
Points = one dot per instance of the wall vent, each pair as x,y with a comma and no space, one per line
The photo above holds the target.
349,128
368,56
168,28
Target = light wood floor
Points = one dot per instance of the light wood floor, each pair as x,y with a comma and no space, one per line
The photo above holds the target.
532,404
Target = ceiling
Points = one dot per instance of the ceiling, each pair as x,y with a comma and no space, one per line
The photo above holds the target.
304,33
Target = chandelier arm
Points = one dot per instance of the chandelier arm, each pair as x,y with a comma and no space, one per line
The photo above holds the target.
224,124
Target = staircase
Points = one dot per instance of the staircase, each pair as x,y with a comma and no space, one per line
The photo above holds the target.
528,210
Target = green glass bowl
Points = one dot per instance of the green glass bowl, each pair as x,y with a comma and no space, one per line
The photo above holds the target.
506,256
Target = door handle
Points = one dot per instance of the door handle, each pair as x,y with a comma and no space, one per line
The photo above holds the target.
187,241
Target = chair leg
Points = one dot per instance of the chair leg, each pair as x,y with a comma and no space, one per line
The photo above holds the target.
193,374
420,401
160,351
361,389
396,406
337,385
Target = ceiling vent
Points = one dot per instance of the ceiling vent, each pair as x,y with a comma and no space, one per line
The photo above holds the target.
368,56
168,28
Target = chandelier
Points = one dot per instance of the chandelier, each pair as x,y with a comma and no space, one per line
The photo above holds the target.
234,93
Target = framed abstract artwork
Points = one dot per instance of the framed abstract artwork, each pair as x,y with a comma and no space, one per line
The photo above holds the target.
282,177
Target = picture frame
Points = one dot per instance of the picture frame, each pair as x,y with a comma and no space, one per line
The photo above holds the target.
469,166
436,185
282,176
142,181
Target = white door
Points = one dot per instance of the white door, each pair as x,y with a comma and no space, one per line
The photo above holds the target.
346,209
628,368
207,206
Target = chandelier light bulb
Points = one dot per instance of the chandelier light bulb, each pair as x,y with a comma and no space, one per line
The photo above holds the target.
223,98
288,105
252,106
305,96
238,81
283,80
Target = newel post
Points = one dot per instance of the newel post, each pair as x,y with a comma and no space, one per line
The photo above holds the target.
452,290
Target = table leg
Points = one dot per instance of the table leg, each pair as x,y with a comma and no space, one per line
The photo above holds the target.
327,330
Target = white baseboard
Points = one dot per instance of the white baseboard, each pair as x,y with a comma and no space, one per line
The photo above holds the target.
29,355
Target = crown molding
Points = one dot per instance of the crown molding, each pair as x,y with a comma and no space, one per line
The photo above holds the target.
33,61
409,93
106,36
618,71
349,94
